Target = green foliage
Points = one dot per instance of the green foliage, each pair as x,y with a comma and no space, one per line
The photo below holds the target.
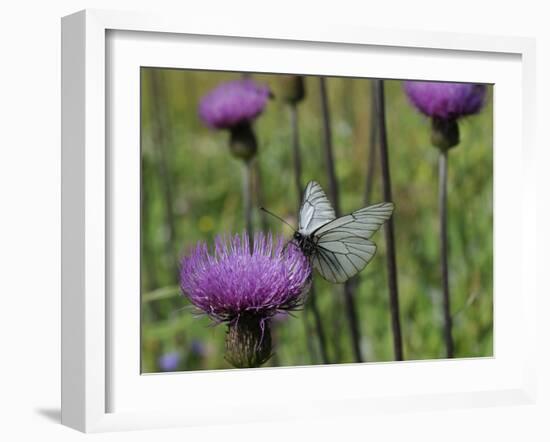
204,199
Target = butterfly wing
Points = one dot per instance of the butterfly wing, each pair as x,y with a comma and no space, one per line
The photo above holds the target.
338,261
316,209
343,246
363,222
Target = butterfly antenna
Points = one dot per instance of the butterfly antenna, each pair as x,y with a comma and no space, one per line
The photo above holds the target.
276,216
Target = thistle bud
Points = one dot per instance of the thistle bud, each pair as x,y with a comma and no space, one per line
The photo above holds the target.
446,103
242,142
445,133
291,88
248,342
234,106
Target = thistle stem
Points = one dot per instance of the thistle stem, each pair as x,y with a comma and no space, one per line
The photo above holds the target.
448,320
353,320
371,162
247,198
258,191
389,227
327,138
296,153
373,144
351,310
318,324
160,134
147,250
298,184
309,345
150,282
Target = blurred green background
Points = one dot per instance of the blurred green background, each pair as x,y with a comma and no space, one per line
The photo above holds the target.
191,190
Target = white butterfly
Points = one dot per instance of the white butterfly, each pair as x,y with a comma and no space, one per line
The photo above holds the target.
338,247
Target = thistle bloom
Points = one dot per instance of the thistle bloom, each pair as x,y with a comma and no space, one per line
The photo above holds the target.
446,100
233,103
233,106
445,103
245,287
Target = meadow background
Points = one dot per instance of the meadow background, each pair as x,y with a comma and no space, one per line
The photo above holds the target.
191,191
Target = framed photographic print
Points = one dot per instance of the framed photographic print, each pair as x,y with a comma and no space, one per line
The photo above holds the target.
246,206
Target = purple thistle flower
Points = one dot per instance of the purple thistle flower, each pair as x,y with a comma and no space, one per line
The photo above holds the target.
245,287
233,103
445,104
235,280
169,361
446,101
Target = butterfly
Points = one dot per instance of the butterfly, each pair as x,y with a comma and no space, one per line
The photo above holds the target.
339,248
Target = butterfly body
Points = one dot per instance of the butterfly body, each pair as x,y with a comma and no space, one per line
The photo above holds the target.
305,243
338,248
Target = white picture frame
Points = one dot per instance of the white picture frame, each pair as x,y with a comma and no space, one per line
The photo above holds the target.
90,328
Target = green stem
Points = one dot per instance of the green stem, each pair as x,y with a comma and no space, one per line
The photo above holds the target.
297,158
389,227
160,134
373,145
258,192
247,198
448,320
351,310
298,184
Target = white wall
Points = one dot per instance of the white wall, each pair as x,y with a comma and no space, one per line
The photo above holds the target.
30,220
